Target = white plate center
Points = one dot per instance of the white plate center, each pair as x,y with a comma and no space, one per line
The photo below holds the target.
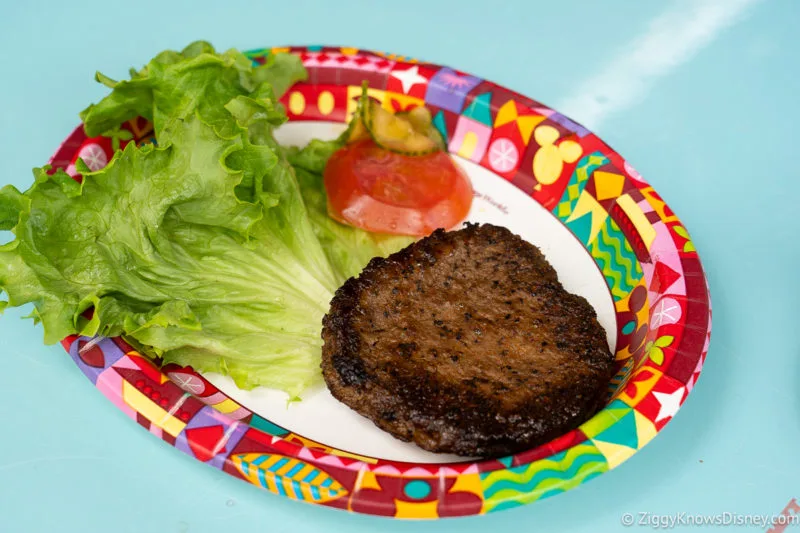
322,418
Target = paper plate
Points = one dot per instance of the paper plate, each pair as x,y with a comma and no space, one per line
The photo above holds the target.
609,235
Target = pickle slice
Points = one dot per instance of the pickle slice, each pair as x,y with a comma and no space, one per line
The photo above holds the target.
407,132
422,121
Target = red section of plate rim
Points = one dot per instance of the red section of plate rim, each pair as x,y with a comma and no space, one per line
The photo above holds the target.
664,315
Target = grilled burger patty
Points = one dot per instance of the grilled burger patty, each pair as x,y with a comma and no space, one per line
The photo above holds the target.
465,342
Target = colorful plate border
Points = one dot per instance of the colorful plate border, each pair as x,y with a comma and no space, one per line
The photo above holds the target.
646,255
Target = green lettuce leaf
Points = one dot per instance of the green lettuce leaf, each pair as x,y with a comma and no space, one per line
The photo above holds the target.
160,246
207,250
281,71
229,93
175,85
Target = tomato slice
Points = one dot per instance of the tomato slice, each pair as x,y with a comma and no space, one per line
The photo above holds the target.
377,190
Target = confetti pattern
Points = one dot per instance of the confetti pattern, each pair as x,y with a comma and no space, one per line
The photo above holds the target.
645,254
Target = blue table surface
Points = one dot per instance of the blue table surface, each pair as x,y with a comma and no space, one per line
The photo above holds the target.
701,96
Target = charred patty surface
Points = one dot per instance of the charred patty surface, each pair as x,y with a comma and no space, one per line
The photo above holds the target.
465,342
